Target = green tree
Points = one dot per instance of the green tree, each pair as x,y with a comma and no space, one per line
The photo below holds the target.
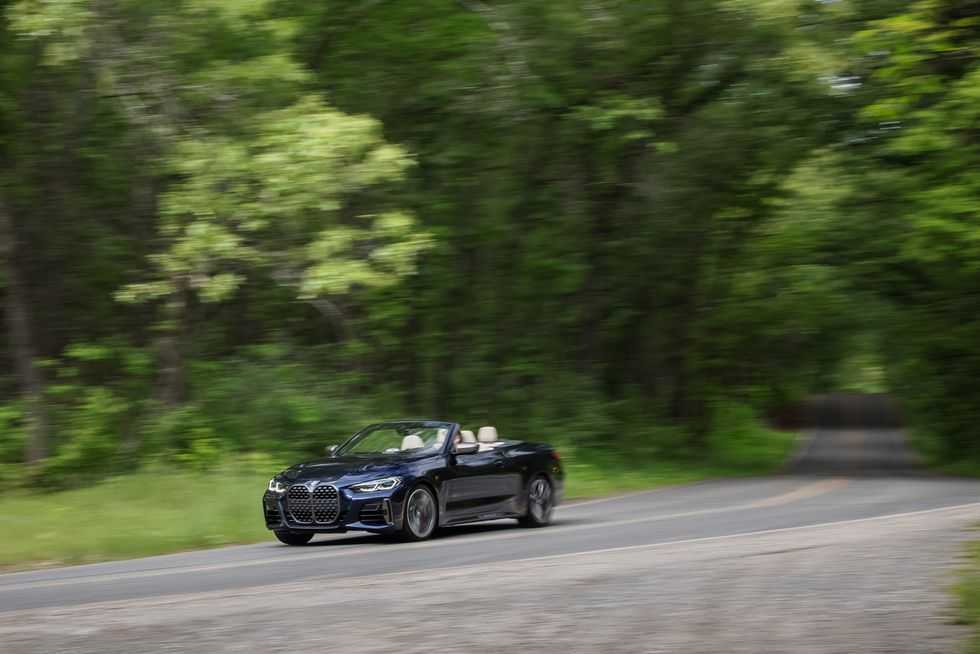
598,171
916,242
246,170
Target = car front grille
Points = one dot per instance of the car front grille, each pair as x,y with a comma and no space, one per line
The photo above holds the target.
321,506
326,504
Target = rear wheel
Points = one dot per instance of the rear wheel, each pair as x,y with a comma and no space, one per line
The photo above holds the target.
294,537
421,514
540,503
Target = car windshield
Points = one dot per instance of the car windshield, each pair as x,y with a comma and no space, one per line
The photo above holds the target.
397,438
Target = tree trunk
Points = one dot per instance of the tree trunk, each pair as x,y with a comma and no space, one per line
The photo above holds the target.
172,383
686,404
21,346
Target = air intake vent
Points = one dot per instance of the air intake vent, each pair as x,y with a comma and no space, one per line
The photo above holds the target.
372,514
272,515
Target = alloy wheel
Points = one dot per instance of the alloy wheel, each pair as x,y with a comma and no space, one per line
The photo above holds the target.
420,513
539,500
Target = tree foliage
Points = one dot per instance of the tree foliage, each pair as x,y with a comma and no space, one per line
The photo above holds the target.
917,199
619,222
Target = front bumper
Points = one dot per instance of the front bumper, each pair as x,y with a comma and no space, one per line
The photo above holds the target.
378,512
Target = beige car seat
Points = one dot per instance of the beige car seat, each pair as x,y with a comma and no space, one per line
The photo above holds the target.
487,437
412,442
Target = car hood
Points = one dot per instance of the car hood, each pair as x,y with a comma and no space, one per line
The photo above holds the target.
336,468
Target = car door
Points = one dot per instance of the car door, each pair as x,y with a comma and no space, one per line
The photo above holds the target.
475,488
509,478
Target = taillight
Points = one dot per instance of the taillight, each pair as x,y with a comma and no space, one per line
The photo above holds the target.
555,455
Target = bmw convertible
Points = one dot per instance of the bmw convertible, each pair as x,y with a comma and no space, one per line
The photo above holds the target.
410,477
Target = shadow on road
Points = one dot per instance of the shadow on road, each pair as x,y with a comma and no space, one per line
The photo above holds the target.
444,532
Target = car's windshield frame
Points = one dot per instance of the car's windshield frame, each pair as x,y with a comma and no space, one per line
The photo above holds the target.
424,424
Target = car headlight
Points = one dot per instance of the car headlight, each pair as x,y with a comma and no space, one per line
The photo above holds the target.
377,485
276,486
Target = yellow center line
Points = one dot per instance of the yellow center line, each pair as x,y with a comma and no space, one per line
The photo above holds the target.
804,492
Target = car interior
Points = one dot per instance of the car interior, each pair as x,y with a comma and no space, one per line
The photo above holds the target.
486,436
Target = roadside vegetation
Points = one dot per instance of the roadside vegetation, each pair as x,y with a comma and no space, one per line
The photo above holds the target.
968,594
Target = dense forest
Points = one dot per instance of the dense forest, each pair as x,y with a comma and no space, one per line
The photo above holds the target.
255,225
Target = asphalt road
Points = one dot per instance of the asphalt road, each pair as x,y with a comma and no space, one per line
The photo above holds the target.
837,479
851,549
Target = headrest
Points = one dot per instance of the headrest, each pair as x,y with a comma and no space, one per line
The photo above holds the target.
468,436
412,442
487,435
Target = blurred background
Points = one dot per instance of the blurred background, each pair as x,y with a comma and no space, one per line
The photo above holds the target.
235,231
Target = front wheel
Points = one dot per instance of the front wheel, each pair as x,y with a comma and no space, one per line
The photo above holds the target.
540,503
293,537
421,514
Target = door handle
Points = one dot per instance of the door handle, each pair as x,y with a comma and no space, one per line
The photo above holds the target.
498,464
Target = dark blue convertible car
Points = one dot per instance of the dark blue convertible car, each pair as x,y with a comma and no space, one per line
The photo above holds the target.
409,477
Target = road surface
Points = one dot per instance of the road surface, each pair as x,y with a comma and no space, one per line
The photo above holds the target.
849,551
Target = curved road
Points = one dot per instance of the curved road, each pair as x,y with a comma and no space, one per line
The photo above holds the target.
841,496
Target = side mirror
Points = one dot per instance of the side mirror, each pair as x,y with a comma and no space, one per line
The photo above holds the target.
466,448
331,449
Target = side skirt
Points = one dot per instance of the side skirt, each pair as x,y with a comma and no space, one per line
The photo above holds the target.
480,518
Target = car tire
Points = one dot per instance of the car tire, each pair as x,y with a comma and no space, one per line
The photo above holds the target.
420,515
540,503
294,537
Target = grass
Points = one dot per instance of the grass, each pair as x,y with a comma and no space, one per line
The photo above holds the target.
968,593
134,515
162,511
